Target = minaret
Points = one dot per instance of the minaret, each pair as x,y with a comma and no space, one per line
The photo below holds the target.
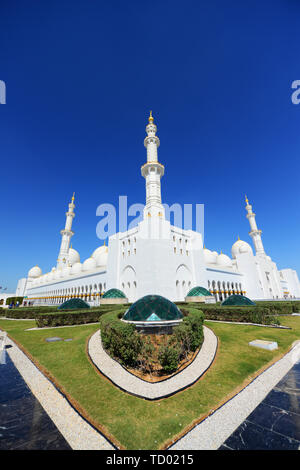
63,257
152,171
255,234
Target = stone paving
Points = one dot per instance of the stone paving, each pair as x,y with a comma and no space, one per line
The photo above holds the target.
153,391
275,423
211,433
24,424
75,430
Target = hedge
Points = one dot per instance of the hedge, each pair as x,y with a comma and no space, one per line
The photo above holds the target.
255,314
27,312
71,317
120,339
187,337
278,307
281,307
9,300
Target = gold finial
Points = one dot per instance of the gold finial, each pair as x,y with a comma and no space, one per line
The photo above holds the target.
104,243
151,120
238,237
71,245
203,246
73,197
246,199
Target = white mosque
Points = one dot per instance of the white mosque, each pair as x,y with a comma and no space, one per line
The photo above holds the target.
156,257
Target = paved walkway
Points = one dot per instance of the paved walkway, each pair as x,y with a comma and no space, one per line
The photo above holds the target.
211,433
76,431
24,424
275,423
128,382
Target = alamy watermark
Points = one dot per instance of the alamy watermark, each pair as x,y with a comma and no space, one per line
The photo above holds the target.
124,218
2,92
295,97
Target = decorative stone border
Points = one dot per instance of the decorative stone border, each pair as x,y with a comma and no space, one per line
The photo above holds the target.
133,385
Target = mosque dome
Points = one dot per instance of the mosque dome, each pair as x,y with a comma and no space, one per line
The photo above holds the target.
74,256
153,308
101,259
209,256
236,299
240,247
99,251
89,264
76,268
35,272
114,294
224,260
198,292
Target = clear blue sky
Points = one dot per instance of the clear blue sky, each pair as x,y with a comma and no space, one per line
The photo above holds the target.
81,77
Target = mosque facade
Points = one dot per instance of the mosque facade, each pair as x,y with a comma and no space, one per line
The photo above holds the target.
156,257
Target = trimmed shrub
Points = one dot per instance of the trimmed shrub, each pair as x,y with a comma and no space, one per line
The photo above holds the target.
277,308
71,317
189,333
295,306
28,312
121,340
9,300
169,355
255,314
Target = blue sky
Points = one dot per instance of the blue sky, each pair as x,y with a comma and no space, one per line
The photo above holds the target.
81,78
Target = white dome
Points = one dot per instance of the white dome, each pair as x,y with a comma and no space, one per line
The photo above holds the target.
209,256
73,256
101,260
66,271
240,247
76,268
89,264
35,272
99,251
224,260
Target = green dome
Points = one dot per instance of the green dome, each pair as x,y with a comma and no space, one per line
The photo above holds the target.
153,308
114,294
73,304
198,292
237,300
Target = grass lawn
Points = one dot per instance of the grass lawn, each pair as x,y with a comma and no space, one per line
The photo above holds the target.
136,423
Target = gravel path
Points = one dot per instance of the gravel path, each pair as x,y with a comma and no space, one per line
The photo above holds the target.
78,433
214,430
153,391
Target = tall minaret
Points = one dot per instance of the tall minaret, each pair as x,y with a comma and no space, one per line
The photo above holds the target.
152,171
255,234
63,257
